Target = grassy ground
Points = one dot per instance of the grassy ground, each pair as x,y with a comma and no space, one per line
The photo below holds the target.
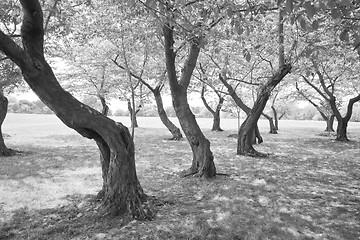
307,189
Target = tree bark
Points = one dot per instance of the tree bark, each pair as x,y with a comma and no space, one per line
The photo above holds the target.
242,106
105,107
341,130
330,123
175,131
203,160
132,114
244,146
4,151
215,113
276,120
123,193
273,129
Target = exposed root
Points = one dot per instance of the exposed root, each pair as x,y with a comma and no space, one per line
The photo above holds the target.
7,152
175,139
223,174
342,139
256,154
217,130
187,173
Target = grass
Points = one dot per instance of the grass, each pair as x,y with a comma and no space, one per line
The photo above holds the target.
308,188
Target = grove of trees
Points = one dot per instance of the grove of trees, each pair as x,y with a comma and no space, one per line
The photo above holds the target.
251,53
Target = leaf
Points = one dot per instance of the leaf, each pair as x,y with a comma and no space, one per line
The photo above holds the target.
335,13
310,10
247,55
230,12
303,23
344,35
346,3
279,2
357,46
239,30
289,6
315,25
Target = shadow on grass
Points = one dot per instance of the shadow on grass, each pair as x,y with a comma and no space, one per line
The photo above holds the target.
35,161
79,218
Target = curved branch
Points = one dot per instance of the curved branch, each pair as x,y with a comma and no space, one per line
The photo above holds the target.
32,30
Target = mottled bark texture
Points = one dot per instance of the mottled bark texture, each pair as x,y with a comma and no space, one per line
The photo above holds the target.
246,131
203,160
122,191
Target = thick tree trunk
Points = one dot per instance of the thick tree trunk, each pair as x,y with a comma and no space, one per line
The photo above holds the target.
175,131
132,114
203,160
122,193
242,106
341,131
246,130
4,151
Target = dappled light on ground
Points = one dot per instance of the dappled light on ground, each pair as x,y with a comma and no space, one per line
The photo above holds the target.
308,188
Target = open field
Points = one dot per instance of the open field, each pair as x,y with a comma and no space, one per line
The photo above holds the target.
308,188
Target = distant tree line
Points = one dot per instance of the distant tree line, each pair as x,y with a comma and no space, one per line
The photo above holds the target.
288,112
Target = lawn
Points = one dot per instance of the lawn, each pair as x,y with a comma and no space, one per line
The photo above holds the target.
308,187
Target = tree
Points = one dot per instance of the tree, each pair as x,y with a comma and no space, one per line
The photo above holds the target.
330,64
322,107
175,131
122,190
9,74
245,135
203,160
209,80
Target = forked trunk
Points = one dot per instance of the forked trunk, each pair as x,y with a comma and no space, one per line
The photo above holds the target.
341,131
175,131
273,129
4,151
246,130
203,160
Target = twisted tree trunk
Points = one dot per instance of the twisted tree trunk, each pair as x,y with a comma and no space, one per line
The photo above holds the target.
246,130
203,160
122,190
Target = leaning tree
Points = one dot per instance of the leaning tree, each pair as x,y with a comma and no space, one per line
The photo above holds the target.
122,190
